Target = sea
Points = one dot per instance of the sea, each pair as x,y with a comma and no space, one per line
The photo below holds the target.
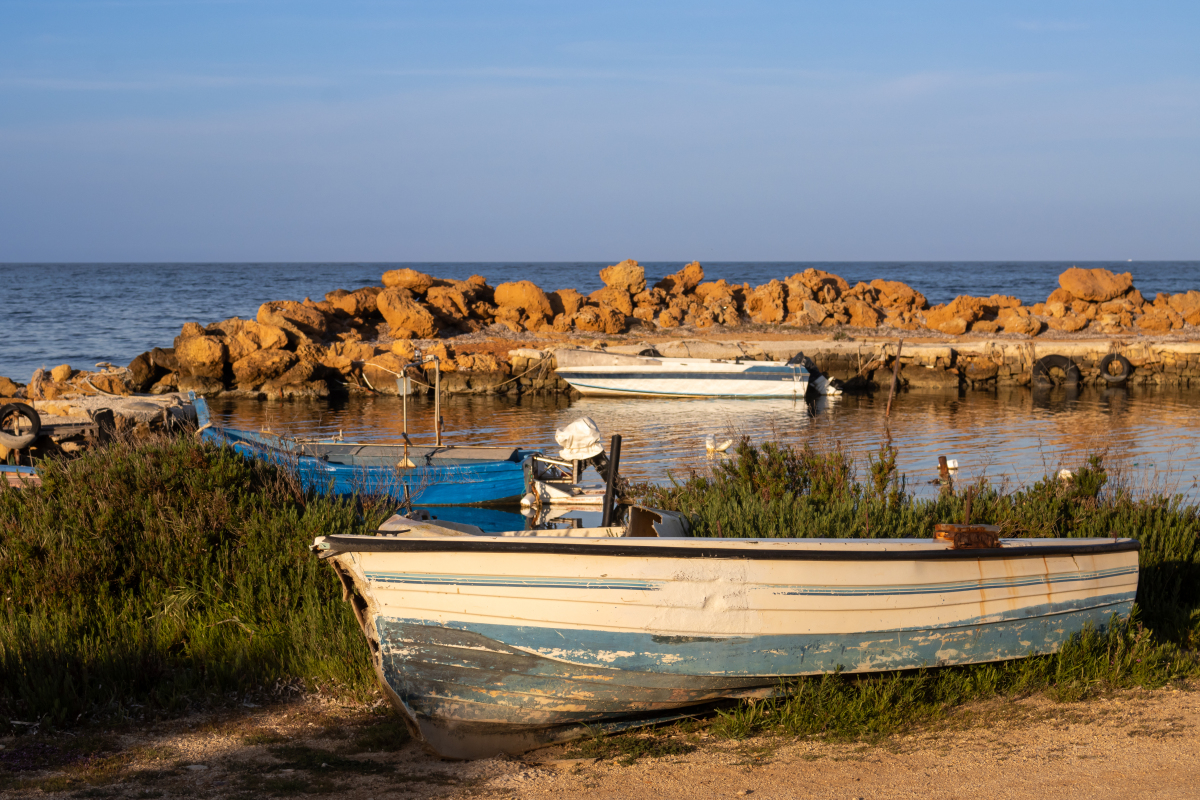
89,314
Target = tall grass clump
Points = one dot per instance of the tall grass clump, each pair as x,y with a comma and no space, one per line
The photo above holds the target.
774,490
154,577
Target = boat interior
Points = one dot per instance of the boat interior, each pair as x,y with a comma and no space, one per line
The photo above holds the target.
641,522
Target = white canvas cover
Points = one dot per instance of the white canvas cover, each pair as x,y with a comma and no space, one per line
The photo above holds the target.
579,439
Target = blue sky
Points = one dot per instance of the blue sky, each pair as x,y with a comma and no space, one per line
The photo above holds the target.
455,131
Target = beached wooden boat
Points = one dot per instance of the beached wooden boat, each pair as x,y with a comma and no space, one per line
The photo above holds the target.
613,374
426,475
505,642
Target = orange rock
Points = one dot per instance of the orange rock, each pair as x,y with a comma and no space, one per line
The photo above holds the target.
261,366
946,321
767,304
895,293
566,301
202,356
671,318
383,370
483,310
523,295
410,279
683,281
407,318
449,302
818,280
653,298
296,318
1068,323
611,296
110,382
510,317
1023,326
358,303
1156,321
628,276
1184,303
191,329
718,288
863,314
1061,295
1096,285
605,319
985,326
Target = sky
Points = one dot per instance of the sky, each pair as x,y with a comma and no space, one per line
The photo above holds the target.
490,131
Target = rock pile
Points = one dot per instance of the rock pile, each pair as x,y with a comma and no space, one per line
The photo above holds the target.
365,337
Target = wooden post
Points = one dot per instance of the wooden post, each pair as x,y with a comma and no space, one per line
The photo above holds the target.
610,486
895,379
944,474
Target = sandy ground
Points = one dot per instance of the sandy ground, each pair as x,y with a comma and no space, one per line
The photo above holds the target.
1131,744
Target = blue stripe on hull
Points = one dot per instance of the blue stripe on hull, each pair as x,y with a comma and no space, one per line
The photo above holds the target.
496,678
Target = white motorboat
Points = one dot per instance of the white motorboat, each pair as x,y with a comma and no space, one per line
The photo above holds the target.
598,373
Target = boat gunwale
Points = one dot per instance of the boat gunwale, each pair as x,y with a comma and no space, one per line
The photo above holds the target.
338,544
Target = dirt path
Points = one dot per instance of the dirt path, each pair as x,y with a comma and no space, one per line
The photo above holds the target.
1133,744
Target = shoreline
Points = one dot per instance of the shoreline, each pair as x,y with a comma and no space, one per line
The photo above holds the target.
500,340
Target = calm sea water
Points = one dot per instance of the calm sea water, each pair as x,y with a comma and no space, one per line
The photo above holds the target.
1011,435
82,314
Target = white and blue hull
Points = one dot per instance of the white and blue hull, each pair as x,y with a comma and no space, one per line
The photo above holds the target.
499,644
616,375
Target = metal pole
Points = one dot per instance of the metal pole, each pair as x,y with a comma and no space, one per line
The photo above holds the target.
437,401
405,393
610,486
895,379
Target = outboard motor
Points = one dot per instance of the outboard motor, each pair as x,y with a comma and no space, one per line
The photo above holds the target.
818,382
580,441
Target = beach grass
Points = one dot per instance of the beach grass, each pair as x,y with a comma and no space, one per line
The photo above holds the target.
166,575
148,579
774,490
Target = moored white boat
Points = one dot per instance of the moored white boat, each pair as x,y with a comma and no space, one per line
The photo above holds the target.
596,373
506,642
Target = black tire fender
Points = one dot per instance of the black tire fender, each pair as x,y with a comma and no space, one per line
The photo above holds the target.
1041,369
1123,375
25,439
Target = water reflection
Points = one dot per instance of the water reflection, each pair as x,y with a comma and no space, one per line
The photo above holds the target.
1012,433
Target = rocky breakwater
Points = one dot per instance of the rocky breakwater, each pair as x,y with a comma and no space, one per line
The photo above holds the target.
493,339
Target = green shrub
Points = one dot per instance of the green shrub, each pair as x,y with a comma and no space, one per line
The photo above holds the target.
163,575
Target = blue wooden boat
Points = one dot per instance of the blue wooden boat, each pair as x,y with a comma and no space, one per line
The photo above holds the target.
19,477
425,475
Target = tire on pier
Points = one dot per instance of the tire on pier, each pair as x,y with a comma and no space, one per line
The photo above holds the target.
1041,370
23,435
1123,375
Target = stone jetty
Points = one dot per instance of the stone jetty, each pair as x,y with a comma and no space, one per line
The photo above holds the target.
499,340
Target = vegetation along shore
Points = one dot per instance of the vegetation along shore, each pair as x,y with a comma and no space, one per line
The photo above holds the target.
500,340
161,577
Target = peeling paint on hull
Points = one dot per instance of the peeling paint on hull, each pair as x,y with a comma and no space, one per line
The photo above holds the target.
479,680
508,650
